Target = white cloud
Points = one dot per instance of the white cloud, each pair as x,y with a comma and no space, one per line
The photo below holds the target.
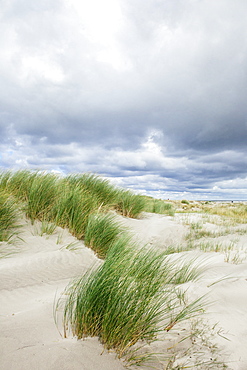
100,21
236,184
127,89
40,68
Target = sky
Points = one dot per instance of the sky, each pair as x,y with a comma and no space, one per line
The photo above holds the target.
150,94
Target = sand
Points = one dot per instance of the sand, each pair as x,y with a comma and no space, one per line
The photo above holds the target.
35,273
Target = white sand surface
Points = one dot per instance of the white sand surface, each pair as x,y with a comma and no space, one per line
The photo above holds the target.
225,285
30,280
42,266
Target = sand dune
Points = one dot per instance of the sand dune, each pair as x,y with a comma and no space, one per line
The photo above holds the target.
42,266
30,280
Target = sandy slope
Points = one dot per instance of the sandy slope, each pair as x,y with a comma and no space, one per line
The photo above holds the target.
29,282
42,267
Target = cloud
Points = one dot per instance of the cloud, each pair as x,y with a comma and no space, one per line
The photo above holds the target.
133,90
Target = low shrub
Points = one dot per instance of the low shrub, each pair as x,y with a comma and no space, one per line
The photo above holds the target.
184,201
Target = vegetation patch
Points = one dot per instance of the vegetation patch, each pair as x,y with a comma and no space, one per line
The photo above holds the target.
135,294
101,233
128,299
8,217
158,206
129,204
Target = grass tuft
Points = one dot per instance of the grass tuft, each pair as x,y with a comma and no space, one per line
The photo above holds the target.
41,196
8,217
124,300
72,210
158,206
101,233
129,204
104,193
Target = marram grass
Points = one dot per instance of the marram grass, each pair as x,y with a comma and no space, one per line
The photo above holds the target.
104,193
124,300
102,231
41,196
131,296
8,217
49,197
129,204
37,191
72,202
40,190
126,202
158,206
72,210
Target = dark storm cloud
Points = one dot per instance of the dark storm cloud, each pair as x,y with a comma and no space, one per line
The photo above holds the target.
200,71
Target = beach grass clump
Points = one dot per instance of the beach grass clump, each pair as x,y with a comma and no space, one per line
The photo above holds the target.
41,196
48,198
17,183
73,208
37,191
159,206
102,190
237,212
42,193
197,232
4,179
129,204
107,195
163,207
127,300
9,215
101,233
